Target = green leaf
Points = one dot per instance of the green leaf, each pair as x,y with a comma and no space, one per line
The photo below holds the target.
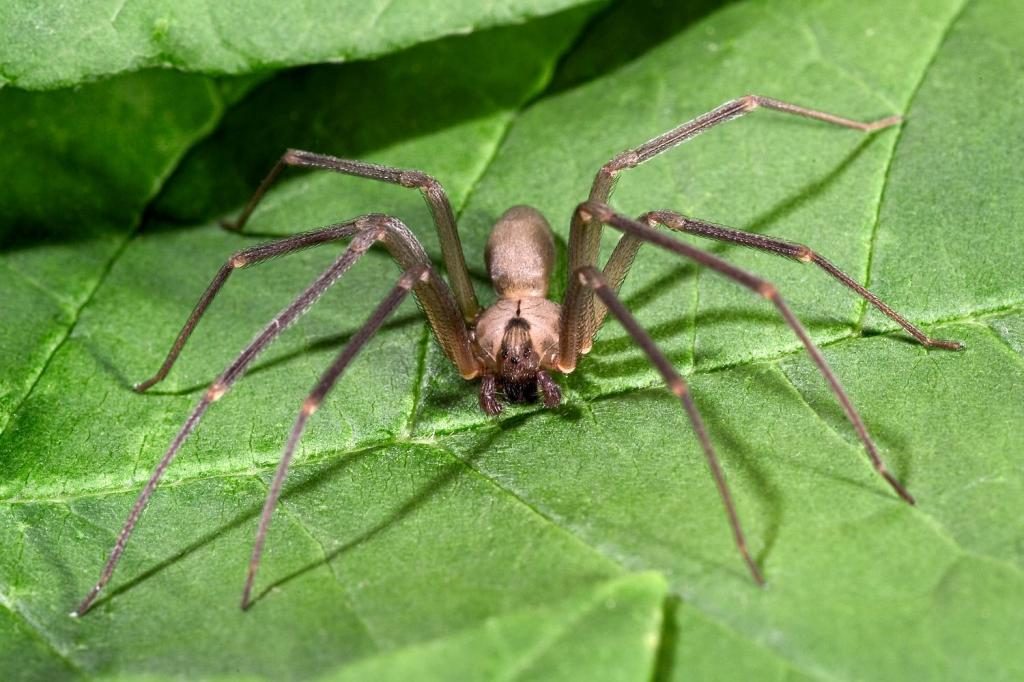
75,188
609,634
45,45
414,531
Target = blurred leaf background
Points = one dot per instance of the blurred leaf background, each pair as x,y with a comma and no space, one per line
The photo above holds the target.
418,538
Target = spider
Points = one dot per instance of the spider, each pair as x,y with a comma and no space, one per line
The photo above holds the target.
514,345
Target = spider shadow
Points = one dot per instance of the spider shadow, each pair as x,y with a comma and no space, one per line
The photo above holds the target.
631,362
665,654
321,477
743,455
826,408
332,342
249,514
667,329
448,475
624,32
790,205
891,442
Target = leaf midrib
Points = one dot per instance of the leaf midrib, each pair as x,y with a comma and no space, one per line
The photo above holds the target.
40,497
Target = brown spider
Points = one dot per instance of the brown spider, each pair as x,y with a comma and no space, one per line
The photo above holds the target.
513,345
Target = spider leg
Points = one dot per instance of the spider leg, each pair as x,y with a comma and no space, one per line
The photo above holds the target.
593,279
433,192
585,238
244,258
619,263
631,158
326,382
488,397
433,295
574,308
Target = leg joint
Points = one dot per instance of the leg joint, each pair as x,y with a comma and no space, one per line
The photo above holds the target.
624,161
592,210
310,405
418,179
804,254
589,276
216,391
768,290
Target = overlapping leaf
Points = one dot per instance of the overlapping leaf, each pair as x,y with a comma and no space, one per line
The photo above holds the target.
49,45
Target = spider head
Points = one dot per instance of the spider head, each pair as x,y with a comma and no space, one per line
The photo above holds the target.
518,362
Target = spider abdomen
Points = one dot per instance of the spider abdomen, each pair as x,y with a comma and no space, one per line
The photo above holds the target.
520,254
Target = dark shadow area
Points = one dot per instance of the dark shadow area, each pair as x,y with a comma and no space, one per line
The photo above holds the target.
641,298
789,206
352,109
623,32
601,361
665,656
344,109
332,342
79,163
244,516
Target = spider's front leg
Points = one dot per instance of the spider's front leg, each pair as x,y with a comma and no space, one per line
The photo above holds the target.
418,275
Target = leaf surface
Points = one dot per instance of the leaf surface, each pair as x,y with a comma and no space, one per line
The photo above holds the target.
52,45
414,530
75,190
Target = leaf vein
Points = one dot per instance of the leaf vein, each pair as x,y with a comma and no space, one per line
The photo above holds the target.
486,425
875,224
41,634
617,561
284,507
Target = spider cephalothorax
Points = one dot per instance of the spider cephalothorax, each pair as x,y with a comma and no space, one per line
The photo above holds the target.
514,344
